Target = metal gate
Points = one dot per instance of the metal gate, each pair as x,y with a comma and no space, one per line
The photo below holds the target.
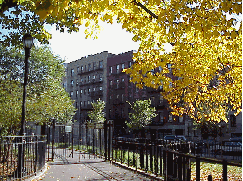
87,140
59,142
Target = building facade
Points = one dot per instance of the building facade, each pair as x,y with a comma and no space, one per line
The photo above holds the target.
121,91
86,82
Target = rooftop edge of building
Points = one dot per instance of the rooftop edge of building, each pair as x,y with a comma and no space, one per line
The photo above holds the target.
109,55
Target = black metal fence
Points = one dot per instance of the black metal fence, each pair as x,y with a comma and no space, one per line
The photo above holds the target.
21,156
90,138
230,151
165,159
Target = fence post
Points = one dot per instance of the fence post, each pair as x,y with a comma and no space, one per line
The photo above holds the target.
197,168
164,164
105,141
53,137
180,167
72,138
224,170
141,156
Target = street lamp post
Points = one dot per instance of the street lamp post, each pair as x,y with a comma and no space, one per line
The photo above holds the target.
28,43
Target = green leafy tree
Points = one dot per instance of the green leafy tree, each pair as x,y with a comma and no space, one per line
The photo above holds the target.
46,98
141,115
97,114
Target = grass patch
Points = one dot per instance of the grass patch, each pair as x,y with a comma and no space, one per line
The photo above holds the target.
216,170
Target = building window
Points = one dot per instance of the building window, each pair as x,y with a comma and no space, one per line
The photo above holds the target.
72,72
170,84
123,80
169,67
122,97
110,97
137,89
232,120
129,64
88,90
84,103
89,66
161,98
82,80
94,77
101,77
117,68
160,69
122,112
88,102
110,70
72,83
85,68
181,119
122,66
101,88
82,68
89,78
117,83
100,64
71,93
81,104
77,69
84,91
161,117
109,113
76,82
94,65
170,118
93,89
76,93
81,92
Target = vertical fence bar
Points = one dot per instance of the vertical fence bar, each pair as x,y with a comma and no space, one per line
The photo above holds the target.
146,156
164,164
210,178
224,170
180,167
128,157
197,168
160,158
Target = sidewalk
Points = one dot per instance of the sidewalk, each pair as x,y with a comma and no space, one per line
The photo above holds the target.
81,167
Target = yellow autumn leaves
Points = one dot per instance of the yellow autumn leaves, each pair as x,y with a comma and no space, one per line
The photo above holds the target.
206,38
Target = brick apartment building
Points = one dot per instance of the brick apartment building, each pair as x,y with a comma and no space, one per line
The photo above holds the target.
101,76
86,82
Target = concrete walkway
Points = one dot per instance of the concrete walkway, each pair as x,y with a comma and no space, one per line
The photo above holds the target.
81,167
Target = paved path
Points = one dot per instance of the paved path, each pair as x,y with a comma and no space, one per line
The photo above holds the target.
81,167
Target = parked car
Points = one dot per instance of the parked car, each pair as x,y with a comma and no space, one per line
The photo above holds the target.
170,138
229,148
181,138
236,139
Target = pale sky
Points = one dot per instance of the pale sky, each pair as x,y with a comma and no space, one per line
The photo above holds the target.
73,46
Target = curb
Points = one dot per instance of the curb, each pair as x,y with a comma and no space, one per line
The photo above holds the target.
39,174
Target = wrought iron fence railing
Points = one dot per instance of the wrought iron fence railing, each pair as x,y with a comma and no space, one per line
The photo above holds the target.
21,156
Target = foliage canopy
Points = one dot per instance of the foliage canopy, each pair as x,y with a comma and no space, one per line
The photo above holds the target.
206,39
97,114
141,115
46,98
